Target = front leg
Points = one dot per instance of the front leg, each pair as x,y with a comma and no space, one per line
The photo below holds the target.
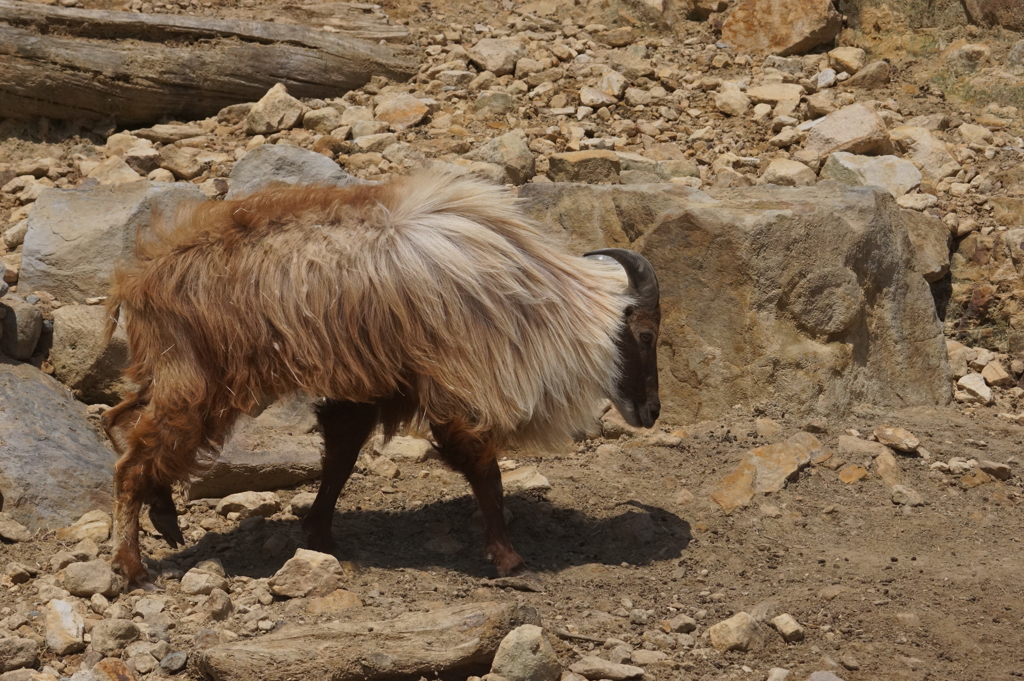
477,459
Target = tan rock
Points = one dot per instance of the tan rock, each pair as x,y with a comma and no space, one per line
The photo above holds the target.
899,439
788,628
996,375
927,152
401,112
781,27
783,172
114,171
765,469
94,525
739,632
887,469
64,628
276,111
854,128
307,574
874,75
853,473
849,59
595,668
775,93
596,166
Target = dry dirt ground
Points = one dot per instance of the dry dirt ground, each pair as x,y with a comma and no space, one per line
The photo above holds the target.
896,592
883,591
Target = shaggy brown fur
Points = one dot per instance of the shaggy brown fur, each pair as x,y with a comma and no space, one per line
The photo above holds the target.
430,297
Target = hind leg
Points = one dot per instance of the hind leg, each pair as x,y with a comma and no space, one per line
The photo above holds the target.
346,426
477,459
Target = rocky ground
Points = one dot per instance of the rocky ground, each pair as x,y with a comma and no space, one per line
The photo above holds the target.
895,560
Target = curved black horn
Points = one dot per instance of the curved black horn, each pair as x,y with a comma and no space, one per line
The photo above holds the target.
642,278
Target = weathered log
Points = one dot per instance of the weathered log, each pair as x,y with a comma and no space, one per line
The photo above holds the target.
150,68
450,643
86,23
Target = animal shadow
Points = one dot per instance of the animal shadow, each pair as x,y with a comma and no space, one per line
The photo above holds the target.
446,535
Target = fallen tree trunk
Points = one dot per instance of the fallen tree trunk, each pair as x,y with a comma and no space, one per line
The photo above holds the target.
137,69
450,643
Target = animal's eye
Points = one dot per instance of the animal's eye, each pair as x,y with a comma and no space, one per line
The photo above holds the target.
647,337
629,311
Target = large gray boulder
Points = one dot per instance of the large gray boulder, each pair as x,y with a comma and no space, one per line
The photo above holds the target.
805,298
76,235
276,449
83,360
284,163
53,465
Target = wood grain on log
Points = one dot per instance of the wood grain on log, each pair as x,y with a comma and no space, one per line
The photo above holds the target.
451,643
149,68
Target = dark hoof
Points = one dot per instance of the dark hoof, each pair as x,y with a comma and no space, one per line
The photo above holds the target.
164,517
167,525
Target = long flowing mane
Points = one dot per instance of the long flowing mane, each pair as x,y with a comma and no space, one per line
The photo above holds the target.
434,288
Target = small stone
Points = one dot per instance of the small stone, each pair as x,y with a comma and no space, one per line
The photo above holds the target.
788,173
892,173
174,662
974,385
401,112
525,478
384,467
597,166
218,605
638,616
302,502
512,154
18,573
999,471
854,128
322,120
276,111
777,674
497,55
16,653
595,668
917,202
64,627
114,170
413,449
167,133
494,103
92,577
143,663
788,627
928,153
975,478
739,632
849,59
681,624
853,473
904,496
249,504
849,661
731,100
306,574
897,438
595,98
995,375
526,655
197,581
148,608
874,75
109,637
823,676
13,531
374,143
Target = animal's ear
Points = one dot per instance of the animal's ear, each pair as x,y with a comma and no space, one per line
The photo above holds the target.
642,278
